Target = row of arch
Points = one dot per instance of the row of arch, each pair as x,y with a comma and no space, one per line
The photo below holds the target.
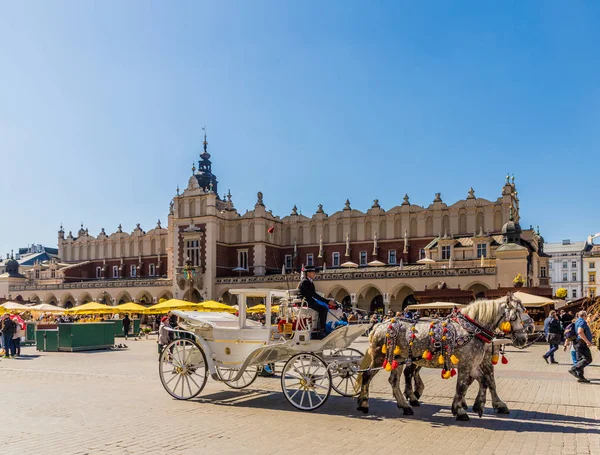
105,249
70,300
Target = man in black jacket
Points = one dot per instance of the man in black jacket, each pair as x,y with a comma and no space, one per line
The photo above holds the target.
314,300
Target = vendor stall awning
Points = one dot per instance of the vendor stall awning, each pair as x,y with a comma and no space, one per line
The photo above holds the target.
531,300
434,306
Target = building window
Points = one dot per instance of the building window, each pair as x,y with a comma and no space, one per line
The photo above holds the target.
565,265
152,270
391,256
37,274
543,272
335,259
192,252
592,265
288,261
446,252
309,260
574,293
574,276
98,272
592,292
133,271
115,271
422,254
363,258
243,259
574,264
565,276
481,250
52,273
592,277
550,265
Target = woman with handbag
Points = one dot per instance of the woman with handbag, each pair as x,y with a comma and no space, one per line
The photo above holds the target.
553,336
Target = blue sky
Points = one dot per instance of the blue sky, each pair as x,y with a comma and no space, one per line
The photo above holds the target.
102,103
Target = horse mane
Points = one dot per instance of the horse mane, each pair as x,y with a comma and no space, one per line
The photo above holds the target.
484,311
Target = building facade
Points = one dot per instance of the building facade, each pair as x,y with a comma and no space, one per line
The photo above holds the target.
566,267
591,264
373,259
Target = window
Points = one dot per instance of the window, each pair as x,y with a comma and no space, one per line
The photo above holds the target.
288,261
98,272
152,270
550,265
422,254
565,276
482,250
52,273
574,293
192,251
574,264
592,292
335,259
133,271
565,265
574,276
592,277
446,252
543,272
115,271
391,256
37,274
592,265
243,259
309,260
363,258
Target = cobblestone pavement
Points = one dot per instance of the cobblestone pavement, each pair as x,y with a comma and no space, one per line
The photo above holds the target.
112,402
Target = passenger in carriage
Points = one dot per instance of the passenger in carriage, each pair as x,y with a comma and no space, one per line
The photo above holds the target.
315,301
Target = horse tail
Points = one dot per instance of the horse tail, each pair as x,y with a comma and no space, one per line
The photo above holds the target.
364,364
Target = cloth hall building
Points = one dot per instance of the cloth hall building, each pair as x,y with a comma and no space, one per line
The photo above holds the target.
375,259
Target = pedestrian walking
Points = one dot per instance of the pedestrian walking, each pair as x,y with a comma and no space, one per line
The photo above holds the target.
126,323
7,329
582,344
553,336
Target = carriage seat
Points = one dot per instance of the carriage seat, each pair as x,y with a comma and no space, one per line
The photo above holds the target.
305,313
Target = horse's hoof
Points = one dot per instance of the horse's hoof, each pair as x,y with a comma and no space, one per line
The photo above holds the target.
363,409
503,410
465,406
416,403
408,411
462,418
418,395
478,410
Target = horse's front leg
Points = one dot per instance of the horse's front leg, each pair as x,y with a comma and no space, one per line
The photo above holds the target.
365,378
462,384
488,380
469,380
410,374
394,380
479,404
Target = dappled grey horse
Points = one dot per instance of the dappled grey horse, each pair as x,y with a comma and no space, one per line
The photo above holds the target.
395,343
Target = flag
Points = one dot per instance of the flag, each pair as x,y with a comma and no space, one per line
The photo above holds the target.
271,229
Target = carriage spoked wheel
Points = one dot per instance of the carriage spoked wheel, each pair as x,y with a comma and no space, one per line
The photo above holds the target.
343,365
248,377
183,369
306,381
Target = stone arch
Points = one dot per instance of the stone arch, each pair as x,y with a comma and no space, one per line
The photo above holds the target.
163,246
251,232
312,235
98,254
202,207
368,234
181,211
51,299
84,297
497,220
67,301
34,298
429,226
287,236
105,298
326,233
398,229
353,232
221,232
300,235
462,223
400,296
123,297
167,295
479,222
367,295
90,249
445,224
412,228
339,232
228,298
478,289
238,233
192,208
153,247
193,295
337,292
144,297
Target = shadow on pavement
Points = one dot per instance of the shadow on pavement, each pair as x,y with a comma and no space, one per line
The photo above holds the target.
518,420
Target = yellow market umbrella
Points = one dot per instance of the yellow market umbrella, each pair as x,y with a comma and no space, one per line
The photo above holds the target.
14,306
173,304
129,307
261,308
91,308
47,308
211,305
531,300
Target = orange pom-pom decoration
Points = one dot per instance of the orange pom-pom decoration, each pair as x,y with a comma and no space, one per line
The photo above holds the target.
453,359
388,367
504,360
441,359
397,350
384,349
506,327
494,359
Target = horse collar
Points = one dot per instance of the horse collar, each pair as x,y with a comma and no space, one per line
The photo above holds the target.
478,331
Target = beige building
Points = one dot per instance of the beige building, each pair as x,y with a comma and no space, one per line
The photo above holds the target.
208,248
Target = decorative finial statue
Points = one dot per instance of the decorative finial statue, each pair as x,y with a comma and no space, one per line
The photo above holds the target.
320,208
120,228
513,179
158,226
438,197
511,217
228,195
137,226
259,198
507,178
210,187
347,205
375,204
405,251
294,210
177,190
321,246
205,143
471,193
103,232
537,229
405,202
193,168
375,244
171,204
347,245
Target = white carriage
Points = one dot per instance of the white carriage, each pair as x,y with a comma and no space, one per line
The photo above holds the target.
233,349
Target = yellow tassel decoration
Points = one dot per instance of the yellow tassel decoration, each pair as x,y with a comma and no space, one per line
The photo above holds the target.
441,359
384,349
397,350
388,367
453,359
505,327
447,375
425,354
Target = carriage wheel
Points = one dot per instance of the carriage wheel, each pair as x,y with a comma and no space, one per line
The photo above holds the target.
344,375
227,374
306,381
182,369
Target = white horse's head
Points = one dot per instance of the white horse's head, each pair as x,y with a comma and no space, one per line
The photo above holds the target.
515,321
